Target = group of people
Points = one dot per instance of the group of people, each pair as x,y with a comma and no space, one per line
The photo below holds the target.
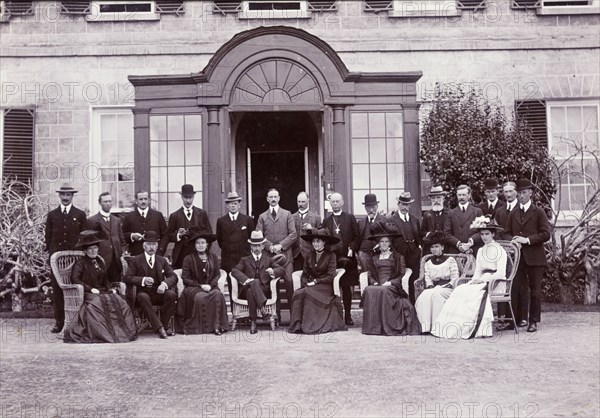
378,245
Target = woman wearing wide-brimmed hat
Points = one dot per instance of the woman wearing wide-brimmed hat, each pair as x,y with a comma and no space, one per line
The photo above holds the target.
386,306
315,308
468,311
201,308
105,316
440,273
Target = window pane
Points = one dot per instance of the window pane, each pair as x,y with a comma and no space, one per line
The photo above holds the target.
395,176
378,176
175,128
193,127
382,197
395,150
359,125
174,200
109,153
377,150
393,125
590,118
357,199
574,118
193,175
160,202
124,196
158,153
558,120
591,171
158,179
577,197
176,153
108,126
393,199
591,141
126,172
360,176
176,178
125,127
376,124
360,150
109,175
193,152
158,128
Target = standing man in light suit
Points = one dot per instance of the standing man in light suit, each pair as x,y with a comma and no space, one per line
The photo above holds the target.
111,231
279,230
305,220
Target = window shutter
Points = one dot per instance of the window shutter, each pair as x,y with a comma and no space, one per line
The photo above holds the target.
470,4
378,5
525,4
17,160
533,112
322,6
18,8
170,7
227,6
75,7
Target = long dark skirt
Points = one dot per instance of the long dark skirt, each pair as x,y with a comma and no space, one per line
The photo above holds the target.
316,310
104,318
387,312
200,312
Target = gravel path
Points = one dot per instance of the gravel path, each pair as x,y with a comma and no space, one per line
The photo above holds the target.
554,372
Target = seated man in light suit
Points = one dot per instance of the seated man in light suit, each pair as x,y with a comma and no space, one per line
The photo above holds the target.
154,278
255,272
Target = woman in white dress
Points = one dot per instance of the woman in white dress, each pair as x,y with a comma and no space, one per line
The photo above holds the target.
440,273
468,311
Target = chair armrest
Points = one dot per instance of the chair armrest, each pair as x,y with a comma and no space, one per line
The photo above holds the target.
419,286
492,285
72,290
336,281
363,279
179,286
273,285
461,280
223,281
234,289
296,279
121,288
405,280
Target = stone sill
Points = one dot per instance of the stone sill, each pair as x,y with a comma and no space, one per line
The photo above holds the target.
424,13
122,17
274,15
569,10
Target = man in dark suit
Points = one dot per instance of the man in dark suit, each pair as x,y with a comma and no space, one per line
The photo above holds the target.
305,220
143,219
181,221
153,277
491,203
529,226
279,230
365,248
254,273
63,226
509,190
457,225
433,219
110,231
409,245
343,226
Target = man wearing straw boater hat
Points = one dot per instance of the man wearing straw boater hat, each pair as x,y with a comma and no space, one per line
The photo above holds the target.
154,278
180,223
63,226
433,219
254,273
409,245
529,226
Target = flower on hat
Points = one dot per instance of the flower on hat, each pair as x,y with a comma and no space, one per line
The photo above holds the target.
480,222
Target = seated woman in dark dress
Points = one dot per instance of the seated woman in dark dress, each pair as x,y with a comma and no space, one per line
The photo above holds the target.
201,308
386,307
315,308
105,316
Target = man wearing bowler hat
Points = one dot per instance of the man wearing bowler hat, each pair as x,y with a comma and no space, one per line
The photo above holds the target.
529,226
180,223
433,219
63,226
491,203
254,273
365,249
409,245
154,278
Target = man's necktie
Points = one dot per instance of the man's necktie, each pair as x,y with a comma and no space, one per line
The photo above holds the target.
188,213
463,209
302,215
150,262
106,218
371,220
65,212
491,207
273,214
144,215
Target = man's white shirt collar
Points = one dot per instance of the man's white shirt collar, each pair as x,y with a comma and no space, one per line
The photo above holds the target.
526,206
68,207
143,212
493,202
105,214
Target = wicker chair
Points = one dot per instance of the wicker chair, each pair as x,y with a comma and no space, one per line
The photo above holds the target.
240,306
466,266
297,276
513,252
364,281
61,263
